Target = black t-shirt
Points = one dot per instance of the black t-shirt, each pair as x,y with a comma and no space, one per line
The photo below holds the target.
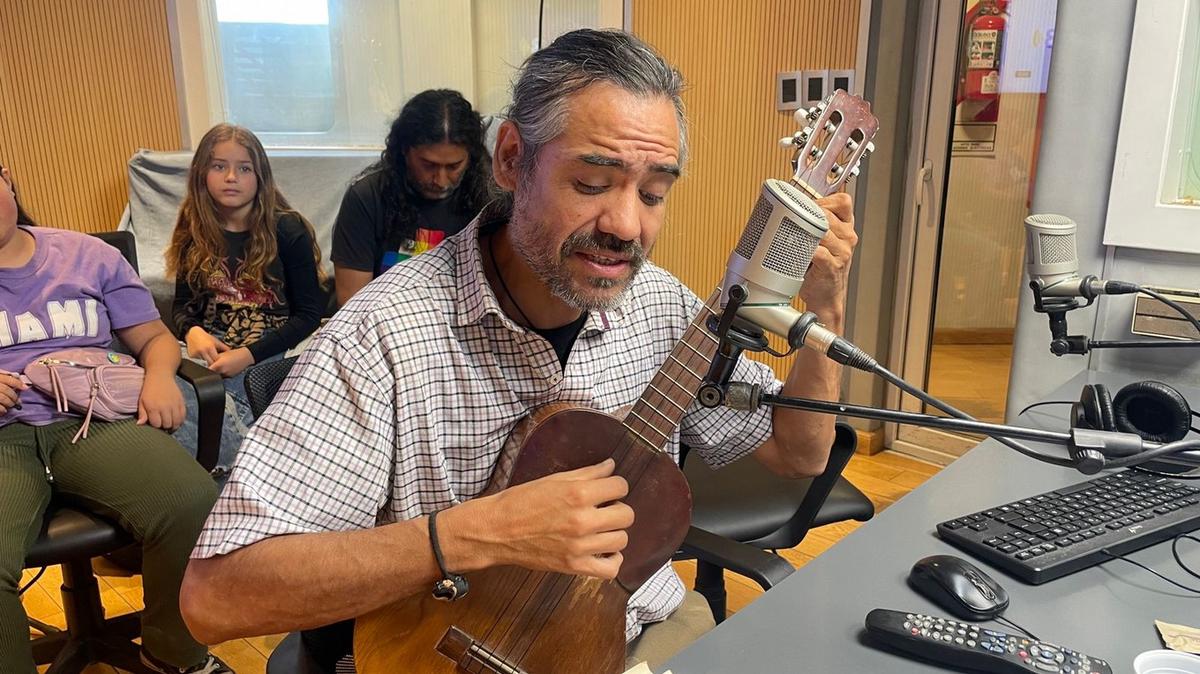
360,233
563,338
266,322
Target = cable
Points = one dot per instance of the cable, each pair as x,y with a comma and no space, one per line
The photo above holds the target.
1139,564
1048,402
899,383
541,14
31,582
1174,305
1162,450
1175,553
1156,473
1006,621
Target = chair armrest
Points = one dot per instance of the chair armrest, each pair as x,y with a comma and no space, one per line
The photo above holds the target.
765,568
210,400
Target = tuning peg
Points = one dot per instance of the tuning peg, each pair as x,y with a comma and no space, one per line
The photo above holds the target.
829,126
870,146
787,142
854,171
851,145
815,153
836,171
805,115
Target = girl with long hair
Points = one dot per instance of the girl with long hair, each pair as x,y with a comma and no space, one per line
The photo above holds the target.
247,270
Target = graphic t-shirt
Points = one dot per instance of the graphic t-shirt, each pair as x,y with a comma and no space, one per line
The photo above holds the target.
73,293
267,320
361,236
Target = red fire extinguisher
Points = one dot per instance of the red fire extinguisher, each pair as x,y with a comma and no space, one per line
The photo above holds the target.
982,82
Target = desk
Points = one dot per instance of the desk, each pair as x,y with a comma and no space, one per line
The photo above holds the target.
813,621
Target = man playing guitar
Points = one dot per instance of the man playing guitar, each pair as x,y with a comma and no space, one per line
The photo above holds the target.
401,405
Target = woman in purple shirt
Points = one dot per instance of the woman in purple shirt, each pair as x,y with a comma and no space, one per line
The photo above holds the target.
58,290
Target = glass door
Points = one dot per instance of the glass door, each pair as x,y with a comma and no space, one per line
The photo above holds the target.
963,245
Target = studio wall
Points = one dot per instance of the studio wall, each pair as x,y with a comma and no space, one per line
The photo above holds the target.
82,86
729,53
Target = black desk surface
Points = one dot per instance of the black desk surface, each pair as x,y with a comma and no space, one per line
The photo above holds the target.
813,621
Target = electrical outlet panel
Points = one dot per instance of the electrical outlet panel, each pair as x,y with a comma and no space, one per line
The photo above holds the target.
1155,319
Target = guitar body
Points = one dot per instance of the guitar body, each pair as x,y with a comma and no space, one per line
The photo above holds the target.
538,622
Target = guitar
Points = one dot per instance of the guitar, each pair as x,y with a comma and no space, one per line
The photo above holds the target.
518,621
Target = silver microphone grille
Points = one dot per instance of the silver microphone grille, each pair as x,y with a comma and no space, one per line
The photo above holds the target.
754,228
1057,248
1055,240
791,251
1050,251
796,240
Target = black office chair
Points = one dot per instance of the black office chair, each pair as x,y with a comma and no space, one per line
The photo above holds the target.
745,502
71,536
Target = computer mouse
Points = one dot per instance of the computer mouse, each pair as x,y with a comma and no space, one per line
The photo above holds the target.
958,586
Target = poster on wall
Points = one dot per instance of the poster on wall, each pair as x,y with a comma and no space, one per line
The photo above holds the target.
974,139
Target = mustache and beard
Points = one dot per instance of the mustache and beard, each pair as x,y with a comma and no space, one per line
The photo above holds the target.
596,293
433,192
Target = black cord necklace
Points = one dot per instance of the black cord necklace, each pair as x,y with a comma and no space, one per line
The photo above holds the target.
503,285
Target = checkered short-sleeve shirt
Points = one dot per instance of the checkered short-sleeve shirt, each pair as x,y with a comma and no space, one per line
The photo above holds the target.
401,404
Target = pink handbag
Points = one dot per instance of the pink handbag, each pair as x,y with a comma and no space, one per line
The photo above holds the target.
93,382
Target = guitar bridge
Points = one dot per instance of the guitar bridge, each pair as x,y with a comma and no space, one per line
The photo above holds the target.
470,655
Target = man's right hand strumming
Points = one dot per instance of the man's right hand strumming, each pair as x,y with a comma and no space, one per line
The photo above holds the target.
571,522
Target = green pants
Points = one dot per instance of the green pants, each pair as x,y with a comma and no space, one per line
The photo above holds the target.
136,475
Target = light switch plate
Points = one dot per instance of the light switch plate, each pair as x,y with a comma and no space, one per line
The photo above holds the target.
841,79
788,90
814,85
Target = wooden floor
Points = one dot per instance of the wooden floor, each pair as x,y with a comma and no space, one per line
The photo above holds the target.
884,478
971,377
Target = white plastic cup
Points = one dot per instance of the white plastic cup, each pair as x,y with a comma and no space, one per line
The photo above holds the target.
1166,662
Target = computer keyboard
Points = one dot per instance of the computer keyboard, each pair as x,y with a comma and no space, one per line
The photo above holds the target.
1050,535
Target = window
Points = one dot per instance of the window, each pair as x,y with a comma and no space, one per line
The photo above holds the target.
277,62
308,73
334,73
1182,181
1155,198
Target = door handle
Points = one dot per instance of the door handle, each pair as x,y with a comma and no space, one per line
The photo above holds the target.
924,174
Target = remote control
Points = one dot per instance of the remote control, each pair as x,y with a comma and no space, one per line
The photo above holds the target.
968,645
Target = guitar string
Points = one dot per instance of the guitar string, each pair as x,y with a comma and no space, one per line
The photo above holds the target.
623,450
515,615
544,592
530,636
517,623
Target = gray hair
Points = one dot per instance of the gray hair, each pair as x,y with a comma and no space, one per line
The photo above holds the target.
548,79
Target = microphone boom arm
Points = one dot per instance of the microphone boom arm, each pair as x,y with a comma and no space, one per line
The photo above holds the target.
1090,451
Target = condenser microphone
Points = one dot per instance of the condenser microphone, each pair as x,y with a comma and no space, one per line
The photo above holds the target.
770,262
1052,260
773,255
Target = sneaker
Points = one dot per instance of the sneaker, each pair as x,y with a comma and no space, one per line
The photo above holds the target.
211,664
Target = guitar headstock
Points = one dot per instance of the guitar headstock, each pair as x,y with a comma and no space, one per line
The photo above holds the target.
828,149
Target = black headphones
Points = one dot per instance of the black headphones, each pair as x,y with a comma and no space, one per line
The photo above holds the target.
1151,409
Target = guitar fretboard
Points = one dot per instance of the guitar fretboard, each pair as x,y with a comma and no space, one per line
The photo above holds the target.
657,414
